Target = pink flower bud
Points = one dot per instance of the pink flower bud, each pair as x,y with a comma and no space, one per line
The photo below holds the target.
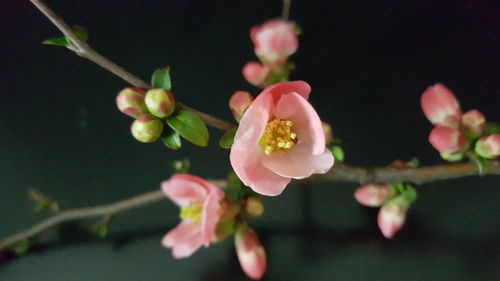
254,206
161,103
473,123
327,129
274,41
448,140
392,216
239,102
250,253
374,194
146,128
255,73
488,146
131,102
440,106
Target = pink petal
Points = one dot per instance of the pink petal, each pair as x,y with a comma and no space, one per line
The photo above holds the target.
306,121
298,162
184,230
185,188
210,218
279,89
440,106
447,140
187,247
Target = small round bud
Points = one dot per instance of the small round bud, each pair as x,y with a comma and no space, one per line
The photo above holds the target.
161,103
254,206
374,194
488,146
255,73
392,216
131,102
473,123
147,128
251,254
239,102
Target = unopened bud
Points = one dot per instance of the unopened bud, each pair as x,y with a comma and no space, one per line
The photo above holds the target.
161,103
239,103
147,128
440,106
448,140
327,129
473,123
254,206
488,146
392,216
374,194
452,157
131,102
255,73
251,254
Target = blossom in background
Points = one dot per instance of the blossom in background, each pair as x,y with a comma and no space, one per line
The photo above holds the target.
274,41
255,73
239,103
251,254
280,137
199,201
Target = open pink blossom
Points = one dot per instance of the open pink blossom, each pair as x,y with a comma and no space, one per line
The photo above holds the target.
280,138
274,41
199,202
440,106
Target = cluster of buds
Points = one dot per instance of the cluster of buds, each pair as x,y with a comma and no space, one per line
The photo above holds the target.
274,41
148,108
456,133
393,200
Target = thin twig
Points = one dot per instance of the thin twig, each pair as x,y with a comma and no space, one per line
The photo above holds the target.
340,173
84,50
285,14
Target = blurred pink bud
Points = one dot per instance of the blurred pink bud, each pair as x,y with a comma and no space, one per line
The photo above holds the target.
448,140
440,106
239,102
254,206
392,216
274,41
327,129
473,122
250,253
255,73
146,128
131,102
488,146
161,103
374,194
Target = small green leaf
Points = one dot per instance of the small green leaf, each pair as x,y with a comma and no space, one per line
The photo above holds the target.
58,41
80,33
42,201
171,139
234,189
161,79
22,247
413,163
409,193
338,152
491,128
180,166
227,139
100,230
190,127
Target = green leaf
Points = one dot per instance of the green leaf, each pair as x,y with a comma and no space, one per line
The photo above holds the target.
491,128
481,163
234,189
409,193
22,247
190,127
100,229
161,79
338,152
180,166
227,139
58,41
171,139
80,33
413,163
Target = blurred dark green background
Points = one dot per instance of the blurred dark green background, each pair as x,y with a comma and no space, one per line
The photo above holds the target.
367,62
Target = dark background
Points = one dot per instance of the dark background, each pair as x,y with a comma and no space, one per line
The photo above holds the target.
368,63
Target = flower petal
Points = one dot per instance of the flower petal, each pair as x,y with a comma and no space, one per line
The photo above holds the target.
184,230
298,162
188,247
306,121
279,89
184,188
209,218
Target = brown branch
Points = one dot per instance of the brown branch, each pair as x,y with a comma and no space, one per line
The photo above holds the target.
285,14
340,173
84,50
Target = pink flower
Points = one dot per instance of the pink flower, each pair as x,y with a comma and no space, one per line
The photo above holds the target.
448,140
250,253
239,102
440,106
473,122
199,202
274,41
374,194
392,216
255,73
488,146
280,137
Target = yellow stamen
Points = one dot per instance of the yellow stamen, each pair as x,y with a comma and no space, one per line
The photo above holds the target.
278,136
192,212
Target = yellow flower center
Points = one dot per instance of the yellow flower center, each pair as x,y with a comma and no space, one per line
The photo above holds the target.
278,136
192,212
